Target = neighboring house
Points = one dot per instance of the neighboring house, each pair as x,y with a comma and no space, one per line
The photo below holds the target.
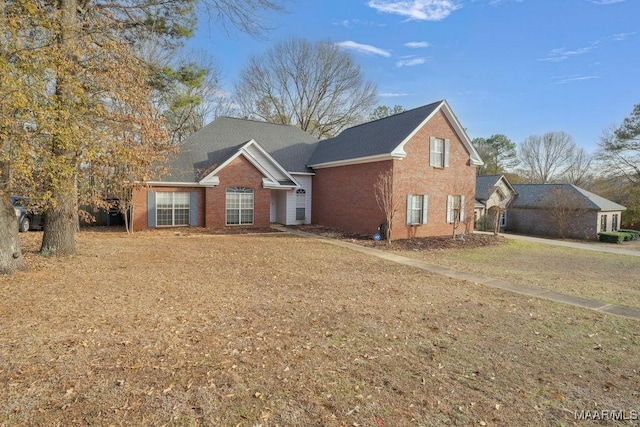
241,172
494,194
561,210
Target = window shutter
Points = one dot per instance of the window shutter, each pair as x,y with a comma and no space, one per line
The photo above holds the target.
461,208
193,208
425,205
432,157
151,209
409,208
447,144
449,209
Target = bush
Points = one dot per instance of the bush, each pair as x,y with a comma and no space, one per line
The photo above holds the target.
611,237
635,234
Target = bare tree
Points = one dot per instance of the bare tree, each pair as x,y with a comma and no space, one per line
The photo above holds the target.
387,202
619,148
315,86
580,171
563,206
546,158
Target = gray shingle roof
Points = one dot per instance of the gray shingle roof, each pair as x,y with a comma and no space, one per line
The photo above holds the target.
373,138
545,195
485,186
290,146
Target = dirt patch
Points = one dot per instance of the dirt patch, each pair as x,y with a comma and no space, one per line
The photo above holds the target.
173,328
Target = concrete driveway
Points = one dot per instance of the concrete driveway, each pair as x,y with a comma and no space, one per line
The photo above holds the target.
627,248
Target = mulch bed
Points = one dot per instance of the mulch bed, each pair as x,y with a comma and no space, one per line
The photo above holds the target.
468,241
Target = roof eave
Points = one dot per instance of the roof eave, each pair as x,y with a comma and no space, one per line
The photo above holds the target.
359,160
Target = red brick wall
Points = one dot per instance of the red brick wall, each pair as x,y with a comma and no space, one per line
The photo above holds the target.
140,204
413,175
239,173
343,197
212,200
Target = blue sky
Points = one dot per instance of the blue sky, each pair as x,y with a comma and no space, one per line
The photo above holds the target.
517,67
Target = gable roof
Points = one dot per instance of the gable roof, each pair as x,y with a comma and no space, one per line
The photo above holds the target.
542,196
384,138
214,144
485,185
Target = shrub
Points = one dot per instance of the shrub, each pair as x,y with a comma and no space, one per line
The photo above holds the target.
611,237
635,234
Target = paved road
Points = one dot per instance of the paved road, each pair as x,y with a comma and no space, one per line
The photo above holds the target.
618,310
627,248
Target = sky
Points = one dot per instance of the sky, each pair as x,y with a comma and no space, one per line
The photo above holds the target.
512,67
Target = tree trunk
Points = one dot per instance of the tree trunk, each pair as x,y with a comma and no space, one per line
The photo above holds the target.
60,224
11,258
61,221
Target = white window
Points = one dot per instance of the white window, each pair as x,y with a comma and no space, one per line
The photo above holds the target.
503,219
172,208
301,203
239,206
455,208
614,222
603,223
417,205
438,152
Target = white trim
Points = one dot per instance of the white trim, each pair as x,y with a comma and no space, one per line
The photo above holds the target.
359,160
275,185
302,173
269,181
459,130
212,183
400,148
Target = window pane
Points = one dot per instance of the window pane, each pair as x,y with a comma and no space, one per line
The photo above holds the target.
233,216
181,200
164,216
300,214
246,201
181,217
246,216
415,217
164,200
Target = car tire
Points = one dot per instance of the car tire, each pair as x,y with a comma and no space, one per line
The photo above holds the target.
25,224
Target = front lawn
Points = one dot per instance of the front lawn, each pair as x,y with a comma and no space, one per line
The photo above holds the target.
172,328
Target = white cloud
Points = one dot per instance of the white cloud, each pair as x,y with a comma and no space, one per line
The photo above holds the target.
570,79
364,48
622,36
411,62
422,10
351,23
344,23
392,94
417,45
560,54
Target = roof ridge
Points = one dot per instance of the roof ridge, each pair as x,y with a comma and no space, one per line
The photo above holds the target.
392,115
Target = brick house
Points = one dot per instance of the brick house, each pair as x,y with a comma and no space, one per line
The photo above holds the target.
494,194
237,172
561,210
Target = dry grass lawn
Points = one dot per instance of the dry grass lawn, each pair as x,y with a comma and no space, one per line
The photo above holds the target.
601,276
168,328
